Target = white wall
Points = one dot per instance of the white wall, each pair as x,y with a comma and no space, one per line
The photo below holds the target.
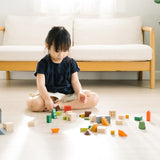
147,9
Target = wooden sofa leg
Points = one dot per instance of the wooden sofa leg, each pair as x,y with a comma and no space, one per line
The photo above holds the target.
7,75
140,75
152,79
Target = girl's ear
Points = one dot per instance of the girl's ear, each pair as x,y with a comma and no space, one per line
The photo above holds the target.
46,44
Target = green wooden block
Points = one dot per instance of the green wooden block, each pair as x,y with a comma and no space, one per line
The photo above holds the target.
83,129
86,118
64,117
138,118
49,119
53,113
142,125
59,113
89,127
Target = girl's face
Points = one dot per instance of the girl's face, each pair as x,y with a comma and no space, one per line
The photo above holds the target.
57,57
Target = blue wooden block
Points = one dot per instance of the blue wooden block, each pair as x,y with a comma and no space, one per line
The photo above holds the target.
2,131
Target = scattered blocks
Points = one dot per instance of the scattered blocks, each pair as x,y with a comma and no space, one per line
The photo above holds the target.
112,114
142,125
121,133
127,116
121,117
8,126
83,129
87,133
59,113
104,121
87,113
31,123
55,130
94,127
67,108
112,132
53,114
2,131
148,116
49,118
119,122
92,117
98,118
138,118
101,129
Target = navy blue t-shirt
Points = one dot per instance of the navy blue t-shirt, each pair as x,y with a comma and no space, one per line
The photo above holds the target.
57,75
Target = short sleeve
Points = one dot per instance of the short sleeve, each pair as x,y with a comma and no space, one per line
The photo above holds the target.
40,68
74,67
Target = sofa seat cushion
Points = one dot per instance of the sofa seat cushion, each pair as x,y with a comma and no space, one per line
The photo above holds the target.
21,53
133,52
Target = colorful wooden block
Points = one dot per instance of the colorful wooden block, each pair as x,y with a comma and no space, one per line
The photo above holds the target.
87,113
71,116
55,130
67,108
49,118
101,129
119,122
121,133
92,117
59,113
127,116
86,118
31,123
82,115
64,117
94,127
53,114
83,129
104,121
99,117
113,132
87,133
121,117
148,116
112,113
138,118
8,126
142,125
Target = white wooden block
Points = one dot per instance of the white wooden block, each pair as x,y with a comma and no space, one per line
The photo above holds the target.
71,116
31,123
112,113
119,122
101,129
8,126
92,117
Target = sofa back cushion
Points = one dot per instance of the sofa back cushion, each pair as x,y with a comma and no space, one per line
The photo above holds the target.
32,30
108,31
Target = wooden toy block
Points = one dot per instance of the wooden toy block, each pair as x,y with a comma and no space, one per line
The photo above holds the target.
92,117
104,121
53,113
2,131
59,113
127,116
71,116
8,126
0,116
119,122
67,108
31,123
112,114
87,133
82,115
49,118
87,113
64,117
101,129
121,117
138,118
83,129
94,127
89,127
142,125
99,117
86,118
113,132
55,130
148,116
121,133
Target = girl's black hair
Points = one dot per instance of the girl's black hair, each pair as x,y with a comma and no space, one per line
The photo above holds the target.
60,38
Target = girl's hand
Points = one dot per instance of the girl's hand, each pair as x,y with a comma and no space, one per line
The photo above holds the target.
82,97
49,104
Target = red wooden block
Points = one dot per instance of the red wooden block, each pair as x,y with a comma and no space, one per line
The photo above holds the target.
67,108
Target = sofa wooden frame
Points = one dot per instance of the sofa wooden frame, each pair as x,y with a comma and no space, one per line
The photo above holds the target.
139,66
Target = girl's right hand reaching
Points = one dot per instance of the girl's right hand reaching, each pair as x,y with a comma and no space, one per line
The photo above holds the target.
49,104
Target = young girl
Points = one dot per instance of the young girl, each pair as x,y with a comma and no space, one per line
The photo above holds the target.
57,77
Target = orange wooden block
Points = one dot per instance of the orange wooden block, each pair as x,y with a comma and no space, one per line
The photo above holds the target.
127,116
94,127
55,130
104,121
121,133
148,116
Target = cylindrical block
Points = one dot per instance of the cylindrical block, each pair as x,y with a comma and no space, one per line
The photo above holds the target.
148,116
49,119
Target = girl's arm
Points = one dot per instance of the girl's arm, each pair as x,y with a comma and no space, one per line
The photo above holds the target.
78,88
43,91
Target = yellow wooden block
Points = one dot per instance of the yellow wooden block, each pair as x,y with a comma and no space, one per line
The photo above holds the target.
82,115
127,116
112,132
94,127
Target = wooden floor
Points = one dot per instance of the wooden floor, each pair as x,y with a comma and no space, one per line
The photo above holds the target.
126,97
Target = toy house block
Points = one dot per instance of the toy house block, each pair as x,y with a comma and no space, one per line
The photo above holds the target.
121,117
121,133
83,129
55,130
59,113
119,122
148,116
31,123
94,127
87,133
142,125
101,129
104,121
92,117
0,116
87,113
112,114
82,115
8,126
49,118
112,132
127,116
2,131
71,116
53,114
67,108
98,118
138,118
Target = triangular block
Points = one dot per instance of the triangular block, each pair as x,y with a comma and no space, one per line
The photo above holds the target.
87,133
104,121
94,127
121,133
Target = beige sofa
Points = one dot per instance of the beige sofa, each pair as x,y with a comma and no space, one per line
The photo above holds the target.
114,44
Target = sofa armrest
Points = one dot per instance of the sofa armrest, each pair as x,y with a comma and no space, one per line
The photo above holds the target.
2,29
